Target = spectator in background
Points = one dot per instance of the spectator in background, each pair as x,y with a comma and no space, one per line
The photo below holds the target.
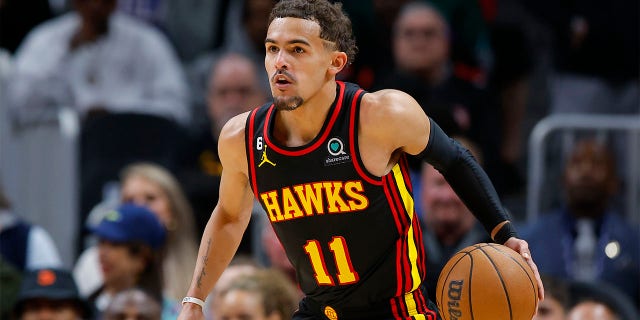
152,12
373,28
131,244
50,294
266,294
555,305
509,85
448,225
594,64
147,184
585,239
245,31
233,88
240,267
471,50
192,26
152,186
97,61
133,304
421,49
599,300
24,245
195,26
592,310
596,50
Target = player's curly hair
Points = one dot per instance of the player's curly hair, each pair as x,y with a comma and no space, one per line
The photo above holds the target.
335,25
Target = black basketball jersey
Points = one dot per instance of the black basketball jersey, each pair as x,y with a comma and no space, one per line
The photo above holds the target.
353,238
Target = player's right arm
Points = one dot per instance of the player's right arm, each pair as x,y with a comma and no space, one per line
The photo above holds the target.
229,219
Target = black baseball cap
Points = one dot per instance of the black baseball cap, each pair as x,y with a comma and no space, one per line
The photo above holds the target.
51,284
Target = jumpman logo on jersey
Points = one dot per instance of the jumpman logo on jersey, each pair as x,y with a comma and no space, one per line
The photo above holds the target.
264,159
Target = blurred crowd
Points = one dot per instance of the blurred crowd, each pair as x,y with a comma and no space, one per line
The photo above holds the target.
152,82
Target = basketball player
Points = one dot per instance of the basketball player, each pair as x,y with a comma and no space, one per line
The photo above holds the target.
335,186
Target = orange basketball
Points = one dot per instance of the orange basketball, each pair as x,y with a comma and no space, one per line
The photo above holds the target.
487,281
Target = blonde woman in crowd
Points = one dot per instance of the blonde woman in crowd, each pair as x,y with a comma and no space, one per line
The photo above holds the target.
153,186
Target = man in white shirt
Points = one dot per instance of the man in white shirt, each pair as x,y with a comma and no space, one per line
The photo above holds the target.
96,60
23,245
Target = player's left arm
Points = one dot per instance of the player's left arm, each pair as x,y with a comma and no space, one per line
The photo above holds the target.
411,131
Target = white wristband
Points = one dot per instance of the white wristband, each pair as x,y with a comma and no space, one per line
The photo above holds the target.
193,300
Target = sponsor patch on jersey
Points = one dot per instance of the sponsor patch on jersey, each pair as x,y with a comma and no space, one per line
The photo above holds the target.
337,155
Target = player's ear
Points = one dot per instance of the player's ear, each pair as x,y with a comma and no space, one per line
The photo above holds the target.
338,62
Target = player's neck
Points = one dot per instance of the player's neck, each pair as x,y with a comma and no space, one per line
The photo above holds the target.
299,127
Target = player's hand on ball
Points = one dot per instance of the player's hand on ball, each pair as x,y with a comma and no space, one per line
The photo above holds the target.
522,247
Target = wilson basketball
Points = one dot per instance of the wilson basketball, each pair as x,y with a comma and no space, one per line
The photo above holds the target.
487,281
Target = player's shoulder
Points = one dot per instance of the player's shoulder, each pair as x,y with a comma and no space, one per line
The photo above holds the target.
234,129
385,97
386,104
231,143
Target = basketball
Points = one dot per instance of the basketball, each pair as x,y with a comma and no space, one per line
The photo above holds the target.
487,281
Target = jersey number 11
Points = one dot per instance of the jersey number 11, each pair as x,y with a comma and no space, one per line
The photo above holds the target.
346,274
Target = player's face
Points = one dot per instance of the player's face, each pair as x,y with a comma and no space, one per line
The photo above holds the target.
296,61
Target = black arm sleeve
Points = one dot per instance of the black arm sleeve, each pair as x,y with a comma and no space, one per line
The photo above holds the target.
467,179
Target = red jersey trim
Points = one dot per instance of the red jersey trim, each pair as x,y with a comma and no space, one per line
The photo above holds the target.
394,310
399,215
417,233
357,162
398,223
400,209
251,149
404,167
319,141
416,301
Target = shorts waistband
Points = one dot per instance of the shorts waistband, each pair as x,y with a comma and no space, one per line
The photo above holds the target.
336,312
382,310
